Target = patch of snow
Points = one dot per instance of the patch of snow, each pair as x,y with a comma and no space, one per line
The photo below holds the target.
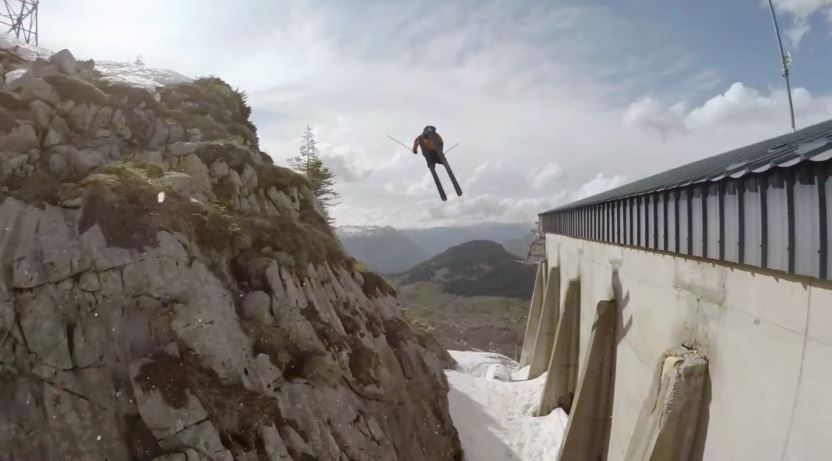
121,72
495,418
498,372
139,76
22,49
477,363
13,75
521,374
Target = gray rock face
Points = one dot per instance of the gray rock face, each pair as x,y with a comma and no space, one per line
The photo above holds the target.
162,302
29,88
19,139
65,61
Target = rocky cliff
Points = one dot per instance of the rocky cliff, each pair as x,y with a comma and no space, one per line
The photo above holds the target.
167,293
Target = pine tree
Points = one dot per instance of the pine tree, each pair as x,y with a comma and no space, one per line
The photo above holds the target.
321,178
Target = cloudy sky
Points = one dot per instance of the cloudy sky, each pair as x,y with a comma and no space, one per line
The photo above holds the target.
549,101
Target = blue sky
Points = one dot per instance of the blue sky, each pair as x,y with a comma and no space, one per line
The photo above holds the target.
735,38
549,100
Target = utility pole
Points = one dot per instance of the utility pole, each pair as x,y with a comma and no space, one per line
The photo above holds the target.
786,60
21,19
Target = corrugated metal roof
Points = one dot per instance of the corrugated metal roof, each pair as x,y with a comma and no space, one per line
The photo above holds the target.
811,143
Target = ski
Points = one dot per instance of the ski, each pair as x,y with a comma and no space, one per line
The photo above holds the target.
450,174
438,185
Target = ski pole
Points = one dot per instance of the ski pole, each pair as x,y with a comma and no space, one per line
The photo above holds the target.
399,142
403,145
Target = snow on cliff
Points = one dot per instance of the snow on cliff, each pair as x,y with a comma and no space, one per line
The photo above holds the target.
139,75
136,75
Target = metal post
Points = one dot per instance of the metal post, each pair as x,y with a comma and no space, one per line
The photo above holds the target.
784,60
22,22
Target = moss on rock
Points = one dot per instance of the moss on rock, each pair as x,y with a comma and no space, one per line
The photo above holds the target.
38,189
375,285
122,199
210,128
234,155
237,412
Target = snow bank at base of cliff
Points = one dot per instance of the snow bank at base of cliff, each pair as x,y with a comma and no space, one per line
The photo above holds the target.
494,417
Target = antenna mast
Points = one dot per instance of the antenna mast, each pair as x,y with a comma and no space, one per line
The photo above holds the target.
20,17
786,59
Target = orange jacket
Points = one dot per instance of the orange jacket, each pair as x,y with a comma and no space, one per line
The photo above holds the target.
428,143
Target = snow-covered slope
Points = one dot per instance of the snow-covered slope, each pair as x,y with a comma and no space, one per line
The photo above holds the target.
121,72
494,418
139,75
25,51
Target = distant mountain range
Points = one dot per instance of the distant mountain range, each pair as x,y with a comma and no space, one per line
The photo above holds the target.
392,251
382,249
476,268
474,295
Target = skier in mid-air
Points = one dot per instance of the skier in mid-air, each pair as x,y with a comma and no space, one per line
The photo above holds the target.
431,145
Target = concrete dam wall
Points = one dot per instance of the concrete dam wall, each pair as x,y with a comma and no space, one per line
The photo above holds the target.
664,357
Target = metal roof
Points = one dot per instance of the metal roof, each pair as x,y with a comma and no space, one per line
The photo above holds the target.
812,143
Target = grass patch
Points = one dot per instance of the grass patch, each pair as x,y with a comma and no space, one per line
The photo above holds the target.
233,155
375,285
279,177
236,412
461,322
272,340
210,128
246,134
122,199
211,96
38,188
294,362
417,319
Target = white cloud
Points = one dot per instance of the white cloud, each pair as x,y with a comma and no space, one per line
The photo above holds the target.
491,208
649,113
600,183
797,32
345,166
738,102
542,177
535,93
738,106
801,11
421,188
